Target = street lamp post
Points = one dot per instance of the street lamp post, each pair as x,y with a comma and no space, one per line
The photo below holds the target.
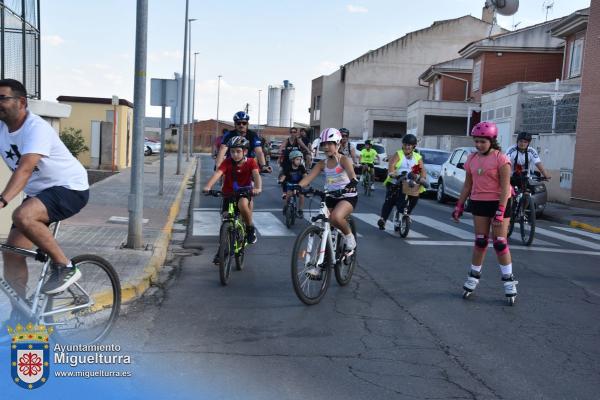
218,96
189,82
191,144
183,78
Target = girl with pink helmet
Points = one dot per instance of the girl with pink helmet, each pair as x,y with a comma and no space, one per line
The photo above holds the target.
487,184
339,175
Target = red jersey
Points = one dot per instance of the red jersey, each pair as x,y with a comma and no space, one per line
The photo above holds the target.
243,173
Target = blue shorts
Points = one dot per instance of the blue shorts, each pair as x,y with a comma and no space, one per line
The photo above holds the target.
62,203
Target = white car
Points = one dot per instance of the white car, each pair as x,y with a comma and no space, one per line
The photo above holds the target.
151,147
452,174
381,165
433,159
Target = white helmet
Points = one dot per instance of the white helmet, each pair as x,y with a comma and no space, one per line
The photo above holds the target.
331,135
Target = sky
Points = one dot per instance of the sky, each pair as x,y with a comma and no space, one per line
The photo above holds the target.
88,47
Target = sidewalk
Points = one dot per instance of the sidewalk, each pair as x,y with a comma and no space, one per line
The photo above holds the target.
92,231
582,218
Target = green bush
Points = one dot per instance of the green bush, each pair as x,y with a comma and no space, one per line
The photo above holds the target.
74,141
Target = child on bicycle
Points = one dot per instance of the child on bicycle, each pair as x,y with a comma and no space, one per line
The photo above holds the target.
291,174
487,183
339,175
405,161
239,173
368,155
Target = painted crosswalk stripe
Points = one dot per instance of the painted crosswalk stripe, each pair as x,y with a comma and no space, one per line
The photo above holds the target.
372,219
567,238
308,216
516,234
268,225
440,226
524,248
206,223
591,235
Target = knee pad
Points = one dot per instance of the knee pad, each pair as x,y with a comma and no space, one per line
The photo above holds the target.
481,242
501,246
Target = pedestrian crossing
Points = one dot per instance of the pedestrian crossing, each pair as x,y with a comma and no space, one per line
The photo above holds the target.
425,230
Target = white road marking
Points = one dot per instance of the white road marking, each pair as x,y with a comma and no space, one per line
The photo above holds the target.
446,228
570,239
516,233
594,236
268,225
206,223
524,248
372,219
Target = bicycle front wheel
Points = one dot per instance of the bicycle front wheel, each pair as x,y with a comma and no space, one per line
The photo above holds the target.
240,248
225,252
528,222
87,310
344,269
309,278
404,225
290,214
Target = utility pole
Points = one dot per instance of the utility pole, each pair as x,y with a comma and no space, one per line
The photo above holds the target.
136,194
218,96
190,119
183,78
193,107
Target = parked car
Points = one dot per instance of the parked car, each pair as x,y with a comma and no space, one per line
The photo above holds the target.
151,146
275,148
381,163
432,161
452,177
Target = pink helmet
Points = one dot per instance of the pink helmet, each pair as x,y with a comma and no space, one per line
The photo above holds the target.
331,135
485,129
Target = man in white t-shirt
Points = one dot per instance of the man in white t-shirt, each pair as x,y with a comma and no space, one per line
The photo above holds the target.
525,158
54,181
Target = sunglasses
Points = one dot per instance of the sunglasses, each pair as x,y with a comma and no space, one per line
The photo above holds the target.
241,123
4,98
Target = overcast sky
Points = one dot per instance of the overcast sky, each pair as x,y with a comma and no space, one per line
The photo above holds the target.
88,46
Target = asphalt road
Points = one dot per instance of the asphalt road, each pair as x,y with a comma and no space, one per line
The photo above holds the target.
399,330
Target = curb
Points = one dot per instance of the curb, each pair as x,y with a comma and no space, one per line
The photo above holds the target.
132,291
584,226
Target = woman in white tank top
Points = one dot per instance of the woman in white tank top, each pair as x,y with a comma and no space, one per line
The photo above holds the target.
339,174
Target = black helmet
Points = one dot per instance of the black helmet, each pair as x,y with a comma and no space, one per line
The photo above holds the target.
368,142
524,136
409,139
238,141
344,131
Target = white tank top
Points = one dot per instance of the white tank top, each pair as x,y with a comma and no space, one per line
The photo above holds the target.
406,164
336,178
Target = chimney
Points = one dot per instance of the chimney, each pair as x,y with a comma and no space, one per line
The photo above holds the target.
487,15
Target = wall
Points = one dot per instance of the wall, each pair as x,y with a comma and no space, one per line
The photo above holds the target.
418,110
445,142
586,190
332,103
454,89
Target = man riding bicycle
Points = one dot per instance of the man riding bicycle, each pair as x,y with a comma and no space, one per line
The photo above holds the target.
523,158
368,155
55,184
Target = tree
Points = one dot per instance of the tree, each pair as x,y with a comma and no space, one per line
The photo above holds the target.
74,141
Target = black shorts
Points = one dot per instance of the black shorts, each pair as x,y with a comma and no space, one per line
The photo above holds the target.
61,203
226,201
488,209
331,202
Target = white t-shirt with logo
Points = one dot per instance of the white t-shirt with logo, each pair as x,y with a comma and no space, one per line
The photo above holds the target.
533,157
57,167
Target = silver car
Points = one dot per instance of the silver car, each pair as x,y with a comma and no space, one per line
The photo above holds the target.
433,159
452,178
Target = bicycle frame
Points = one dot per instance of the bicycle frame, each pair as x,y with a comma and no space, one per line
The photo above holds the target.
233,217
39,299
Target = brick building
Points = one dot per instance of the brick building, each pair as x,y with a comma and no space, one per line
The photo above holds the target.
586,190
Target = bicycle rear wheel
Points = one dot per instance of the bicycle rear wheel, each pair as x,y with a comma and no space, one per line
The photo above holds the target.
404,225
97,294
310,288
514,215
344,269
527,222
225,252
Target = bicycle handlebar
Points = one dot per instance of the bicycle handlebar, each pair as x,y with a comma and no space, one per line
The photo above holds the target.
218,193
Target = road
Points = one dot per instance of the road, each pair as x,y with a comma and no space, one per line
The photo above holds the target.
400,329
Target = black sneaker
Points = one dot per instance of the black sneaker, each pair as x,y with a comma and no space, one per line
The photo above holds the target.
381,224
300,214
251,235
216,259
61,277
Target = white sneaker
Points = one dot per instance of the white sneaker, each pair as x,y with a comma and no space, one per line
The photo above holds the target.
314,273
350,243
372,187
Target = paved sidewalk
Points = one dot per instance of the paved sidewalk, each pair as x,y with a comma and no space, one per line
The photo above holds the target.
91,232
583,218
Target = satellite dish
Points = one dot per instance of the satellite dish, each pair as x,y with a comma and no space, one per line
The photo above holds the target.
503,7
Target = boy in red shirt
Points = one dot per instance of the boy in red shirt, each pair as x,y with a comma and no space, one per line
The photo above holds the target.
239,173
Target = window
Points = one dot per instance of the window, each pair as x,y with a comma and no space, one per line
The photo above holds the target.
576,58
476,75
317,108
463,157
456,157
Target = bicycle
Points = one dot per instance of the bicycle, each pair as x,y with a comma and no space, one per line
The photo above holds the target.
316,249
232,234
85,312
367,178
290,210
402,220
523,209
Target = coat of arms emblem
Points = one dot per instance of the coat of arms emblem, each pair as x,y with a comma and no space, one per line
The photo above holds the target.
30,355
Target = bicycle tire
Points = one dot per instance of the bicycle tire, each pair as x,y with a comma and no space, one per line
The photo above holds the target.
514,216
344,278
225,252
404,226
289,215
528,220
240,255
300,278
106,293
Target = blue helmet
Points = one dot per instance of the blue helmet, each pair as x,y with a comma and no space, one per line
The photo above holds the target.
240,116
